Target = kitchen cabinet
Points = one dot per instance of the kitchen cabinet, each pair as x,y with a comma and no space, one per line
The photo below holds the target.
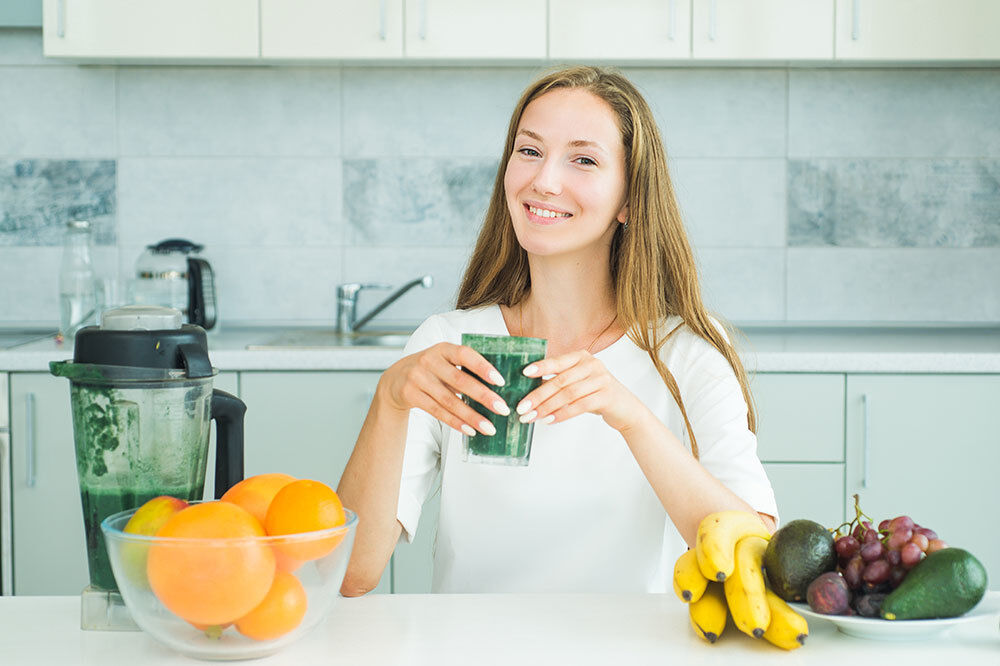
762,29
151,29
49,552
510,30
928,446
331,29
21,13
625,30
918,30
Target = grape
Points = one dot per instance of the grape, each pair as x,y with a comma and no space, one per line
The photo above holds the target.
920,540
927,532
911,554
901,523
935,545
899,537
847,547
884,525
871,536
893,557
852,572
871,551
896,576
876,572
868,605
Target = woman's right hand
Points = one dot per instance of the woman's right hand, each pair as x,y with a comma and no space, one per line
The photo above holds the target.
430,379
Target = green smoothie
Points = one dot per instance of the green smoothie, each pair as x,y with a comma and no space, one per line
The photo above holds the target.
511,445
98,504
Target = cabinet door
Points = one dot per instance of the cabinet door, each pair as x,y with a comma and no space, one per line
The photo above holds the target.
625,30
305,424
460,29
50,554
918,30
413,563
800,417
151,28
331,29
762,29
807,490
928,446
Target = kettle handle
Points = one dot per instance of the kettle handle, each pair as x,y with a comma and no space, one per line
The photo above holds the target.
228,412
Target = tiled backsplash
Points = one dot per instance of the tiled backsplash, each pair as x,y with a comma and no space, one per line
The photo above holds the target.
809,194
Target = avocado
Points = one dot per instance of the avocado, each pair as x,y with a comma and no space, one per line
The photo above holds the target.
946,583
796,555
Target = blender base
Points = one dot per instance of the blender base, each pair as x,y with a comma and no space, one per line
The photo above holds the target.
103,610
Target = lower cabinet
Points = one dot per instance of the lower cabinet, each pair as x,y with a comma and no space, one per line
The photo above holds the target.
49,550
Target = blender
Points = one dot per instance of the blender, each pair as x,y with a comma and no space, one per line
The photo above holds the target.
142,400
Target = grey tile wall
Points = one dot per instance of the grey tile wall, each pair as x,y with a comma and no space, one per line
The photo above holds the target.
809,194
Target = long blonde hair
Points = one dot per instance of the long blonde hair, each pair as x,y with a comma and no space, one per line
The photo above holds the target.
652,266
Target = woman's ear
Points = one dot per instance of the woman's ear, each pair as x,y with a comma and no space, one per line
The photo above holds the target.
622,216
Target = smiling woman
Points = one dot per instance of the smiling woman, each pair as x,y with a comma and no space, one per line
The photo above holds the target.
645,421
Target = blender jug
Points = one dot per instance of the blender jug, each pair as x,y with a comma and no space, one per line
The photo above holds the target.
142,400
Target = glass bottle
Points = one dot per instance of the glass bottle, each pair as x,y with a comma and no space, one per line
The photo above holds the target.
77,288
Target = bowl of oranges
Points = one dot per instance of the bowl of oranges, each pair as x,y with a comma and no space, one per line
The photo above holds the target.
236,578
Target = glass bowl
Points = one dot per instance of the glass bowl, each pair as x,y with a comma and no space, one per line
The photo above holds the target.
204,579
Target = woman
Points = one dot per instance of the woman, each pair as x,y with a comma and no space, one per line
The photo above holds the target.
646,424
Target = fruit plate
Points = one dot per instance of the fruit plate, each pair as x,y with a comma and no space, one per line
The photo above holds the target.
903,630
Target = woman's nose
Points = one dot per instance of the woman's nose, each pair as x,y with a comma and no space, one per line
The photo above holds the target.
546,180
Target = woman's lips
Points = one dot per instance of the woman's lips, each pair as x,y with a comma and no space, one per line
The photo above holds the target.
544,220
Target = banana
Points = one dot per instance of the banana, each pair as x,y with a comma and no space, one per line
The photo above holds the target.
709,613
689,584
745,588
717,537
788,629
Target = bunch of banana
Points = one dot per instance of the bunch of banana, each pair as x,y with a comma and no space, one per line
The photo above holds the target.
724,575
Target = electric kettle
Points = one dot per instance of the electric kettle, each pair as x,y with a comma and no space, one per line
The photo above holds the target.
171,274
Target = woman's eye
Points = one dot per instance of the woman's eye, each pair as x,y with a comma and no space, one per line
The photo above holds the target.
530,152
586,161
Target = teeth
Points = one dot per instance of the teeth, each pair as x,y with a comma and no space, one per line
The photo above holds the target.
542,212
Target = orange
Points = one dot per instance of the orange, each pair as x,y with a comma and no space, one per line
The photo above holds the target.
255,493
281,611
304,506
206,581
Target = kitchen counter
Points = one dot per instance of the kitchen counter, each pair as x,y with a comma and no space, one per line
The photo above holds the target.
905,349
506,629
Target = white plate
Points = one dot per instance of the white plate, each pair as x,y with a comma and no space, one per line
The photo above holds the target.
903,630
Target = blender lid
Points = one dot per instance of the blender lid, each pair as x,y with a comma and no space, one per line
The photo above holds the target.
145,337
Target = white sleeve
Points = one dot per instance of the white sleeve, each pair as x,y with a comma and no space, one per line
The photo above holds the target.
424,434
718,413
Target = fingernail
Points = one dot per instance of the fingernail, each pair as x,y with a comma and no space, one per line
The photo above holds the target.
496,378
468,430
523,407
548,419
487,428
531,371
501,408
529,417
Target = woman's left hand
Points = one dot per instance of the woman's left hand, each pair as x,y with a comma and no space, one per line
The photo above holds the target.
581,384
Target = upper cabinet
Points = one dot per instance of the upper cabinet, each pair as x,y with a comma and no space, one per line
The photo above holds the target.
331,29
918,30
513,29
624,30
762,30
151,28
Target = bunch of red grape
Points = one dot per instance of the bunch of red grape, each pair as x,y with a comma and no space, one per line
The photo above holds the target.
875,561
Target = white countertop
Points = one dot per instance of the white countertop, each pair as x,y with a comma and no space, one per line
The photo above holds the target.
906,349
582,629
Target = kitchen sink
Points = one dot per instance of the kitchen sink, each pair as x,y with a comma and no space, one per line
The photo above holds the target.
326,339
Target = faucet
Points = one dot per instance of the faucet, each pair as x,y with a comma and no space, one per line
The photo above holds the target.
347,302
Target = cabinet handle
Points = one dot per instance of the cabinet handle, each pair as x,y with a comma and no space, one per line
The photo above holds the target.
713,19
672,19
61,19
867,441
856,20
422,32
383,8
29,440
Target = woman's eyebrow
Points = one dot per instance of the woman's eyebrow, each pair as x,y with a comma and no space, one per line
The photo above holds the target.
577,143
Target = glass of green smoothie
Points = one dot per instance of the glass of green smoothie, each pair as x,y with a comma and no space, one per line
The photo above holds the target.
509,355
